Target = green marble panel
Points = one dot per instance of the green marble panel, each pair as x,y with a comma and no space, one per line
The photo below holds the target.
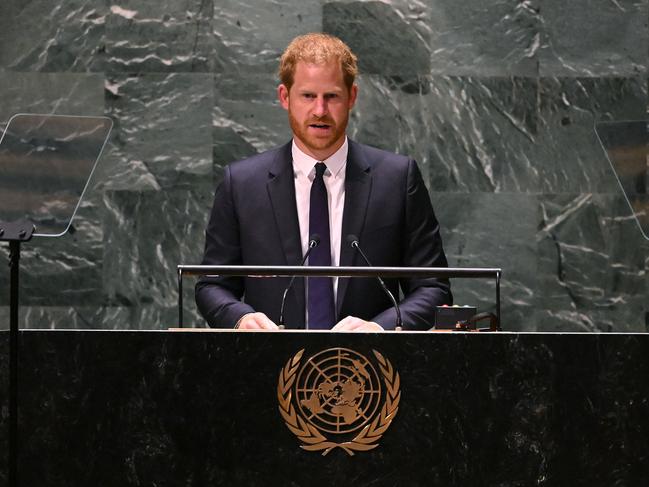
593,38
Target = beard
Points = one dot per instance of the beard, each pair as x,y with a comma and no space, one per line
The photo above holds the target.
312,141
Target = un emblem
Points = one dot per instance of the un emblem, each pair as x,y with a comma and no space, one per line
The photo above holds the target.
336,399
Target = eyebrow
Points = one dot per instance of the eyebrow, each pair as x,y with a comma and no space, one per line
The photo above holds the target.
326,92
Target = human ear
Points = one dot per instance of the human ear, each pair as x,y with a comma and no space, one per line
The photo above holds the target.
282,95
353,93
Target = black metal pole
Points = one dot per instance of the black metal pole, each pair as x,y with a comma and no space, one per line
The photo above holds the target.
14,259
180,298
498,300
342,271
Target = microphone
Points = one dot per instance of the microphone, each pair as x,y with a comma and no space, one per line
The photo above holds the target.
353,241
314,241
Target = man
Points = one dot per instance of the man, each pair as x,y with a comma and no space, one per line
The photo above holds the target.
268,208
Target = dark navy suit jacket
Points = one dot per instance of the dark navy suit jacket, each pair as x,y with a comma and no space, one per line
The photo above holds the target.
254,221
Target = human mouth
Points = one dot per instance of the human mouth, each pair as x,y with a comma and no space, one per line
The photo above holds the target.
320,126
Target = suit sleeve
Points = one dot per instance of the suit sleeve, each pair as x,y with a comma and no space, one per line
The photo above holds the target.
421,247
219,298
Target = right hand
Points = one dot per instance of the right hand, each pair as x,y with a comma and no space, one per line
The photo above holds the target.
256,321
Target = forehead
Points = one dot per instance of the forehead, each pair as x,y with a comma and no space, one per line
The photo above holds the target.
328,75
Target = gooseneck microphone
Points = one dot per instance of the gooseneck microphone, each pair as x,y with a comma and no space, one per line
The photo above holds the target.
353,241
314,241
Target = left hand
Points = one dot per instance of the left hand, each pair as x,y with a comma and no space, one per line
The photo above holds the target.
351,323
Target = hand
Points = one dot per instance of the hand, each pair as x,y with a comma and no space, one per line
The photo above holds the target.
256,321
351,323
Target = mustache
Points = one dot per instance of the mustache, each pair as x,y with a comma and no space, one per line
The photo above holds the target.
323,120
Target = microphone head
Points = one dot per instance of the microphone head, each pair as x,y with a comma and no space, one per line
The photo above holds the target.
351,239
314,240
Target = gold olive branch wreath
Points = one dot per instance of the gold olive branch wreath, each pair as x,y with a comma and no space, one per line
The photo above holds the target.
309,435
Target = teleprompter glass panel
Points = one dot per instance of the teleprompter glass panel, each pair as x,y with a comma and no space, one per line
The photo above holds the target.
45,164
625,144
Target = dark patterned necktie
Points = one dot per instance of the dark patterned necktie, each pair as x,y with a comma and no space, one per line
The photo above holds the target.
320,289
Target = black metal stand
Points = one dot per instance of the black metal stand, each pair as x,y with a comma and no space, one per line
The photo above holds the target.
14,262
76,141
14,233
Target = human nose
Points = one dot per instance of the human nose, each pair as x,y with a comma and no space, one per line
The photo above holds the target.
320,109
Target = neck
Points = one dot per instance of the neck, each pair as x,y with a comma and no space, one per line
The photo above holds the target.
320,155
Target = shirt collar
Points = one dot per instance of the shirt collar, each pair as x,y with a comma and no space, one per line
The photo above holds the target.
303,163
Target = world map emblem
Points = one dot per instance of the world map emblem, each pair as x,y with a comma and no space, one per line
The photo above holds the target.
338,398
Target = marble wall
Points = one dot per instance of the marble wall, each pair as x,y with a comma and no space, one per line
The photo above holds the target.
495,99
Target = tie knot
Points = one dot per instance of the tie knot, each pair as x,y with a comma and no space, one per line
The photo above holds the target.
320,168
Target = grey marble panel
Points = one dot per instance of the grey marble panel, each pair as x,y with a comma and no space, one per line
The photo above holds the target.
162,134
485,38
493,230
59,93
147,234
63,317
155,36
591,265
594,38
385,41
250,35
229,144
108,317
61,271
570,158
53,36
468,134
469,38
247,117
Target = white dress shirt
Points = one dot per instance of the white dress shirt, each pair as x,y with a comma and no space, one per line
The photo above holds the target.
334,179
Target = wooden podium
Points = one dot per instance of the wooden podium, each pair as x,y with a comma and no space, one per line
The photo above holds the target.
113,408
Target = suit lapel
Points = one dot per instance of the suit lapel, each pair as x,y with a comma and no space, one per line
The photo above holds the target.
281,191
358,184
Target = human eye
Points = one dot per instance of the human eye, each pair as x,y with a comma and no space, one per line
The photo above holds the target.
308,96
